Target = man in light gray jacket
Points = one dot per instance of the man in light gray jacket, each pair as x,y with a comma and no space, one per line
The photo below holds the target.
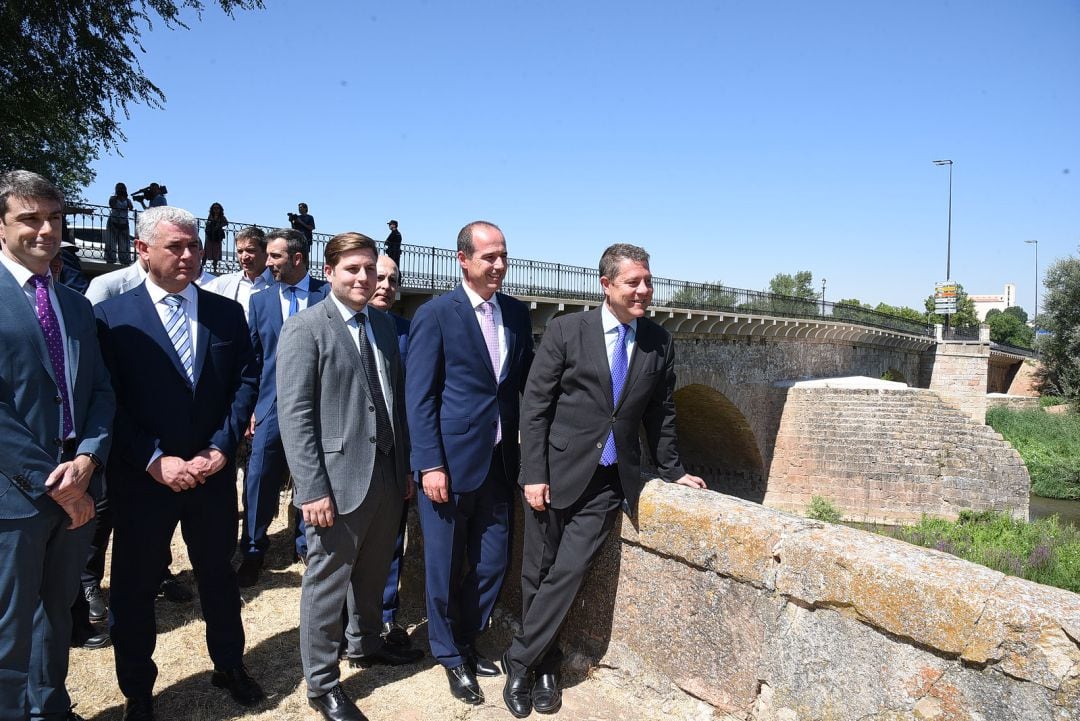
342,418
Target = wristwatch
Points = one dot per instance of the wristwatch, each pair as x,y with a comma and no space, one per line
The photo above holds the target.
94,459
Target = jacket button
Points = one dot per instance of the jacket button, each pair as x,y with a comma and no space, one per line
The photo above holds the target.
599,445
372,439
58,400
371,408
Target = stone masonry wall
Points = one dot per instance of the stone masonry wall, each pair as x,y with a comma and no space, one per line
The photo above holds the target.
958,372
890,456
771,617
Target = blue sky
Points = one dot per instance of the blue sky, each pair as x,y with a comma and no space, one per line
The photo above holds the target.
732,139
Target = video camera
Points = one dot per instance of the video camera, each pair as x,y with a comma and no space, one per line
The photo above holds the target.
292,217
139,195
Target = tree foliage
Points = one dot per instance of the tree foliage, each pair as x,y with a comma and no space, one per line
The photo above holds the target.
965,315
1007,327
709,296
1061,317
800,285
69,73
903,311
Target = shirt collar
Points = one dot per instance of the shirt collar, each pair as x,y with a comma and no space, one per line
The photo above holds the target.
347,313
157,292
21,273
474,298
302,284
611,323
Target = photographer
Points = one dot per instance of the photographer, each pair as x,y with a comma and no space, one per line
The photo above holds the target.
302,221
151,196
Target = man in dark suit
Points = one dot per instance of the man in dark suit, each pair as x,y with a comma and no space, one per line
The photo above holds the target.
387,282
295,290
469,354
343,426
393,242
598,378
178,422
56,409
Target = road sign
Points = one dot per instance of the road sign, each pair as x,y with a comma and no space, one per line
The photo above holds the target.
945,294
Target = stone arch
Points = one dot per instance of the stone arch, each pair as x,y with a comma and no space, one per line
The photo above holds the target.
893,373
717,442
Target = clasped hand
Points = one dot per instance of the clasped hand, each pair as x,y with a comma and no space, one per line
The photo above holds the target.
67,486
180,475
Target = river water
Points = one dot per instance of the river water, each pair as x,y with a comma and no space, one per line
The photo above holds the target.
1068,511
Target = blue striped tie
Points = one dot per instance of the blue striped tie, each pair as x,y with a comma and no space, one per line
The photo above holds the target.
176,325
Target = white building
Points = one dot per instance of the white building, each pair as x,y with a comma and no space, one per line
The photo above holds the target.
986,303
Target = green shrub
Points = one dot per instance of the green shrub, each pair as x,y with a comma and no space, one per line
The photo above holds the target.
1045,551
1047,401
821,509
1048,443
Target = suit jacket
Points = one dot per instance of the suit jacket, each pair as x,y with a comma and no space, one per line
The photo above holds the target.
264,323
401,327
114,283
156,408
567,409
227,284
31,413
325,408
453,397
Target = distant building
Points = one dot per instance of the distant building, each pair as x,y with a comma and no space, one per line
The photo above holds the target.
986,303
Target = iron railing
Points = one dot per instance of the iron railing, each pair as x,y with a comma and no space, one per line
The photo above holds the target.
437,270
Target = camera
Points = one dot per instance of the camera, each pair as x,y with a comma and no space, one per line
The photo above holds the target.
292,217
139,195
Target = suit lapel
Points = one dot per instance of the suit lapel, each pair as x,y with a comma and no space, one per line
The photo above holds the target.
472,330
595,344
71,324
637,362
203,341
385,338
148,319
343,338
27,318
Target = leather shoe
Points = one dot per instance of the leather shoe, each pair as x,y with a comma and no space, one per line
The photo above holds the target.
94,640
546,696
387,656
242,687
336,706
463,684
395,635
483,666
174,591
139,708
516,692
96,600
247,575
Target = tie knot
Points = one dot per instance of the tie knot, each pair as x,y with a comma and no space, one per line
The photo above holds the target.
173,300
292,289
487,308
361,318
40,281
623,330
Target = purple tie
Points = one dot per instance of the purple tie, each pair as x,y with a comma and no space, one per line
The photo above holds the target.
491,340
50,326
618,378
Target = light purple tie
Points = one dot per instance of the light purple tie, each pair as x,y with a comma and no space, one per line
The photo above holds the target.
618,378
50,326
491,340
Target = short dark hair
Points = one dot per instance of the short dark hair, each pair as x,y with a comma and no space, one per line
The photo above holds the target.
252,232
464,236
343,243
616,254
25,184
295,241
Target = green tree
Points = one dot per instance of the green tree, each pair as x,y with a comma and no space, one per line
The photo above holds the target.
901,311
965,316
1061,317
1006,327
68,72
800,285
1017,312
710,296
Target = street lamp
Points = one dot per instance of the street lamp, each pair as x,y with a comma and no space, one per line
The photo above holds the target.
948,247
823,296
1035,318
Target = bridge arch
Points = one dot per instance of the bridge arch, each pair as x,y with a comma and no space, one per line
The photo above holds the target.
717,442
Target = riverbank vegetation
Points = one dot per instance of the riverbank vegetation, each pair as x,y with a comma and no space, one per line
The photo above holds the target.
1048,443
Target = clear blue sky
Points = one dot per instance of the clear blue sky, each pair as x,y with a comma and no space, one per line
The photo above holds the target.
732,139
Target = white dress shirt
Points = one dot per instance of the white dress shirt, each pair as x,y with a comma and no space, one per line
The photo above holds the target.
303,291
611,335
349,316
475,301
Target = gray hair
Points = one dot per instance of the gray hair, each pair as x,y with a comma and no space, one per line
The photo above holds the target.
295,241
615,254
25,184
464,236
149,219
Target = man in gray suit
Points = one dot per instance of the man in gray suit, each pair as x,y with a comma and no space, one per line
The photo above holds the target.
342,420
115,282
56,411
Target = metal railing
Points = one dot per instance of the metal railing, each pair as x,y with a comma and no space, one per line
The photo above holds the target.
427,268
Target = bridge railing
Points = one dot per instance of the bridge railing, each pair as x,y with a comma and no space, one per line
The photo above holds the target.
436,270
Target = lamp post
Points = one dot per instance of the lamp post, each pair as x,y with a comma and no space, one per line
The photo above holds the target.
823,296
1035,318
948,246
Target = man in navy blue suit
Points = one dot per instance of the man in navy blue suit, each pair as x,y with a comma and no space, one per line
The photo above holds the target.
178,421
56,409
469,355
295,290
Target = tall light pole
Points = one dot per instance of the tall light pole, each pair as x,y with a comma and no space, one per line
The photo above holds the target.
823,296
948,247
1035,318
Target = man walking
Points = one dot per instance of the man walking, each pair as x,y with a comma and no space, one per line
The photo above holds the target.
469,354
343,427
598,377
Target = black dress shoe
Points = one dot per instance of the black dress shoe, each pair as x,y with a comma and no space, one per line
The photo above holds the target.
93,640
247,575
174,591
96,600
463,685
395,635
336,706
242,687
387,656
483,666
139,708
516,691
546,696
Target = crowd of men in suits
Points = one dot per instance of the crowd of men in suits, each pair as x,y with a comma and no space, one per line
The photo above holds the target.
363,410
